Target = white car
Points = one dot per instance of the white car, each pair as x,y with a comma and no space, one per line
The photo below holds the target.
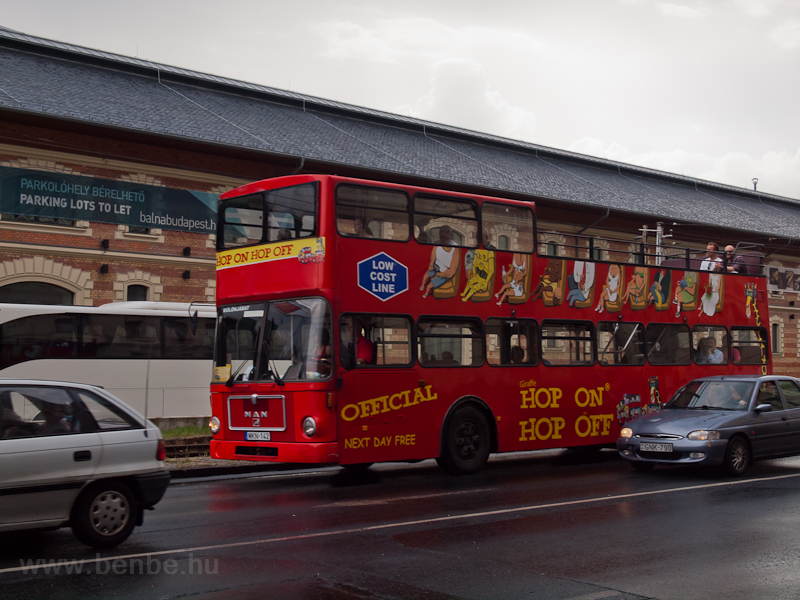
73,454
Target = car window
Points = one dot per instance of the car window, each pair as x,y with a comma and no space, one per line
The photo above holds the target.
791,393
37,411
768,394
103,415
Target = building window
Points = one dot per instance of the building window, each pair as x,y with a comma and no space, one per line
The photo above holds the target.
137,293
36,292
37,219
776,337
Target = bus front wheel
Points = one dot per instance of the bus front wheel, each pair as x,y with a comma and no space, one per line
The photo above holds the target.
466,442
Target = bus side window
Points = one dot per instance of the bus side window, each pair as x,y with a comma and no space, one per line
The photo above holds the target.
449,342
383,340
368,212
512,342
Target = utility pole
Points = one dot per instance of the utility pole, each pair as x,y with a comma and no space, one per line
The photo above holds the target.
660,237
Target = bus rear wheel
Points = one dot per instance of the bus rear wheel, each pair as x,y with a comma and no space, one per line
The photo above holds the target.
466,442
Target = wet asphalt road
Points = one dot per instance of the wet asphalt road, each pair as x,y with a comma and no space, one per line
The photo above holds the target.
548,525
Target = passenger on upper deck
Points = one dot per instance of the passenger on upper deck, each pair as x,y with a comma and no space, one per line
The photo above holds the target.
735,263
713,262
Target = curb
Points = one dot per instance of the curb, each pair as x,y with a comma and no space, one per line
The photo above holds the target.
193,472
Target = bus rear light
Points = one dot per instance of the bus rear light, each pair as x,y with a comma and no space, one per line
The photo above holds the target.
161,450
309,426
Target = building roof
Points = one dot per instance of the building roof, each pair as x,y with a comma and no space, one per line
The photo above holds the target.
55,79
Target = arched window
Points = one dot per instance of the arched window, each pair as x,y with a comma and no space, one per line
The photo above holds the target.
137,293
502,242
36,292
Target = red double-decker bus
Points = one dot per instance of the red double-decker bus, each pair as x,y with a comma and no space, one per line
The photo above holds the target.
363,322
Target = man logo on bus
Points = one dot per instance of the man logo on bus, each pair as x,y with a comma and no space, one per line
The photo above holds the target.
382,276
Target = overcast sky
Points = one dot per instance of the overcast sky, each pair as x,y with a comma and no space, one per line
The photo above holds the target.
703,88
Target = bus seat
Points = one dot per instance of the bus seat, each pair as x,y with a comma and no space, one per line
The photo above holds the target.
450,287
753,261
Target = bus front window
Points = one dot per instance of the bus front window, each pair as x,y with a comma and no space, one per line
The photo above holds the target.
297,344
238,332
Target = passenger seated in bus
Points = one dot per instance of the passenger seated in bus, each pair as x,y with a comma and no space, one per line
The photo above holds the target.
708,353
517,355
365,350
360,229
284,233
735,355
735,264
447,359
487,240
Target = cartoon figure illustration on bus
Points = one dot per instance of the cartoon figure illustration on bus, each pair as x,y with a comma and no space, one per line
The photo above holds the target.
514,280
319,255
685,293
549,287
610,298
659,290
711,300
441,276
581,284
479,267
635,291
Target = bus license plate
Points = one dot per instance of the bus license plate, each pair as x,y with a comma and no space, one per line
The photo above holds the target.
648,447
257,436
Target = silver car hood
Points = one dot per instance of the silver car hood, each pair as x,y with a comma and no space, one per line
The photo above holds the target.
683,421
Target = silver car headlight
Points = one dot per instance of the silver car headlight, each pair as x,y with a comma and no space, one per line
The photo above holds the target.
626,432
703,435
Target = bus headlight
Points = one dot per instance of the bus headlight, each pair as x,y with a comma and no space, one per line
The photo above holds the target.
213,425
309,426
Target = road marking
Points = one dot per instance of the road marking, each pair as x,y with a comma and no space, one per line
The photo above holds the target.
461,517
402,498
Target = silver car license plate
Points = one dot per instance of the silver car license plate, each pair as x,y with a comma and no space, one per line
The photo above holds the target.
649,447
257,436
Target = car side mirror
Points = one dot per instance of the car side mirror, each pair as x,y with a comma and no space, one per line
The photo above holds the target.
764,408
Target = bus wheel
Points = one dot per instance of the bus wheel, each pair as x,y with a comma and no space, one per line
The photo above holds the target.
465,447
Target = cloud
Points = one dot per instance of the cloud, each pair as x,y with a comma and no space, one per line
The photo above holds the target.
398,40
787,34
760,8
461,95
682,11
777,172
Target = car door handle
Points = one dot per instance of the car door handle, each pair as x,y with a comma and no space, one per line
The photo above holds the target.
82,455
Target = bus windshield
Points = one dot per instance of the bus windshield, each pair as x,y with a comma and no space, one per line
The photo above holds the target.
283,214
295,345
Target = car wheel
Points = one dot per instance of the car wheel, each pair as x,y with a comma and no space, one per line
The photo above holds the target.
643,466
104,514
466,441
737,457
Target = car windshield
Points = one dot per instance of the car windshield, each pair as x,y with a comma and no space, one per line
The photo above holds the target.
713,395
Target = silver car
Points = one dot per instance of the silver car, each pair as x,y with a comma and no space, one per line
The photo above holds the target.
73,454
722,420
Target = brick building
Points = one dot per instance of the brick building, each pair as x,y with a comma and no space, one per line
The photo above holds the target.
110,166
